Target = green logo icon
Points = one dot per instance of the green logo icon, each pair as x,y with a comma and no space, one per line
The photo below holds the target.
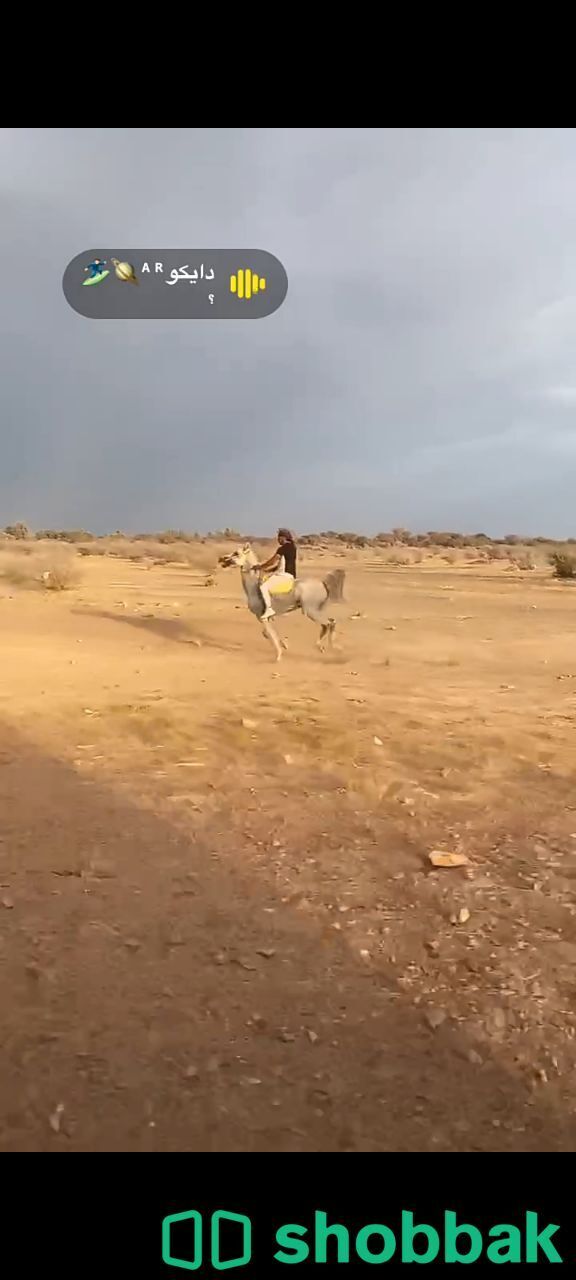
216,1259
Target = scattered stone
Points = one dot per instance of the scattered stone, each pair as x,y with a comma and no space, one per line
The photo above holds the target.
101,869
462,916
378,742
132,944
497,1020
55,1120
444,858
249,724
435,1018
7,903
266,952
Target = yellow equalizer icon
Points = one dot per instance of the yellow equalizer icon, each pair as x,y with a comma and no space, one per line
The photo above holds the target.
246,283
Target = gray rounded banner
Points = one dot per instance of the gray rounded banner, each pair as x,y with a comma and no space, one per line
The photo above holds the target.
175,284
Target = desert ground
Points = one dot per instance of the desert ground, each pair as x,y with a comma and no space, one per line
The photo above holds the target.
220,926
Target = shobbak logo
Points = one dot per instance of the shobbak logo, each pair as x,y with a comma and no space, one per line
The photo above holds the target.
324,1241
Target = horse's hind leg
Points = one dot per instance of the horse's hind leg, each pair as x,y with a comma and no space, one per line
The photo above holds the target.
326,627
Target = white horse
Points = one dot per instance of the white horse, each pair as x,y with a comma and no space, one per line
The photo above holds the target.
311,595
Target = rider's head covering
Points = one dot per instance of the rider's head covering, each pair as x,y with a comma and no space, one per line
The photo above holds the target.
285,533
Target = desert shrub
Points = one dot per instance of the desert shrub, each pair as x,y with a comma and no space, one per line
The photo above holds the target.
63,535
50,570
494,552
18,531
96,548
198,555
564,565
445,539
61,576
398,558
524,561
174,535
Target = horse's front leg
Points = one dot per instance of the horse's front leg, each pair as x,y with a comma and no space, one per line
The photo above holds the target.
270,632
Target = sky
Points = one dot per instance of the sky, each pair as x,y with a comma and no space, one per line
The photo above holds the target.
421,372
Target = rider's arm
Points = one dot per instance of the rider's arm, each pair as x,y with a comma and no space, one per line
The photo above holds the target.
272,563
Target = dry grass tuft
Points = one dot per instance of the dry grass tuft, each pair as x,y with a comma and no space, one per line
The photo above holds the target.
198,556
48,569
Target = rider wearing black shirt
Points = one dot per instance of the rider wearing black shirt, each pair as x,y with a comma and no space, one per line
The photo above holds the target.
286,550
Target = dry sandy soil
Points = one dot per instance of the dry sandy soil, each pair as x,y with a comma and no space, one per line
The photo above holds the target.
219,925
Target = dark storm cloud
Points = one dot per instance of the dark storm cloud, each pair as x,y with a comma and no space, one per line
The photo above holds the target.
421,371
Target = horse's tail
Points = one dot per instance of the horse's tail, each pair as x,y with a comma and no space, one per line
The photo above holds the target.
334,583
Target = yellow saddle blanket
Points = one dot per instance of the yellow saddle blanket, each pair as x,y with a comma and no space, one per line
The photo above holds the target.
281,587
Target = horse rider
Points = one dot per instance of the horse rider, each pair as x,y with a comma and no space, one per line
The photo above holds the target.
279,569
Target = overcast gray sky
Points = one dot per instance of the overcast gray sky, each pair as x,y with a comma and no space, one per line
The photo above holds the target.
422,370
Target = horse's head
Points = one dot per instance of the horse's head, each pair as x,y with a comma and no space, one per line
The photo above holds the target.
243,558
